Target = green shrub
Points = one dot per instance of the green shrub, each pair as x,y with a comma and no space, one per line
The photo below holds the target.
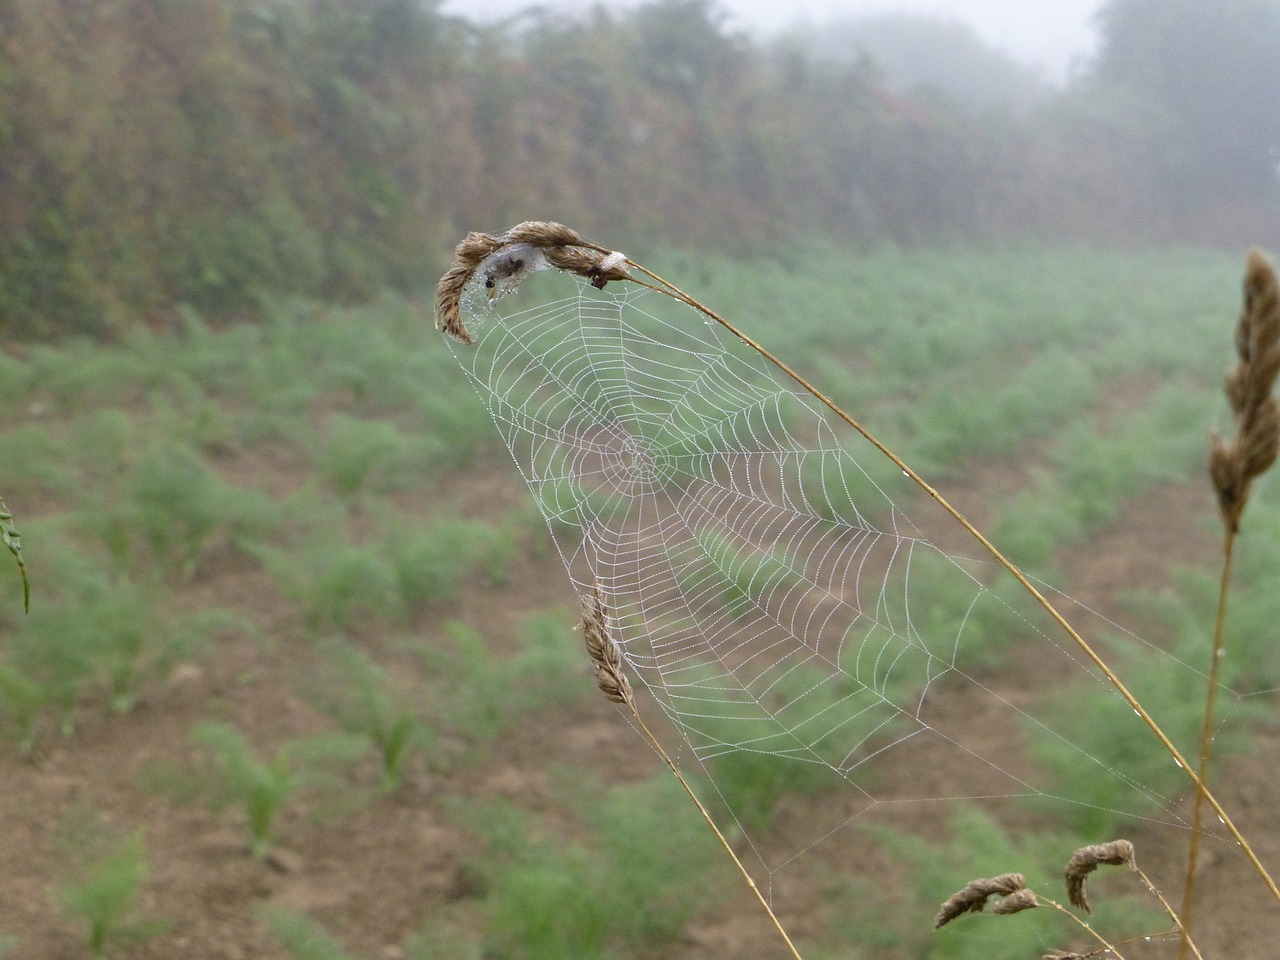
482,694
302,937
649,866
358,693
233,774
36,457
358,453
336,582
92,630
52,651
103,890
22,701
430,562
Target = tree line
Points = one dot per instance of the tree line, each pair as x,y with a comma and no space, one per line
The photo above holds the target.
211,152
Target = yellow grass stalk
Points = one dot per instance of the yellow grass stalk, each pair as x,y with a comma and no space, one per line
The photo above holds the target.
501,261
1233,466
607,659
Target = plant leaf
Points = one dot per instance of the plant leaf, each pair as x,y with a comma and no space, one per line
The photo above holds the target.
10,537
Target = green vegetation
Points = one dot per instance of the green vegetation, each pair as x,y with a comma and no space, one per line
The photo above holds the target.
322,465
332,149
103,890
358,693
304,938
644,867
479,695
234,775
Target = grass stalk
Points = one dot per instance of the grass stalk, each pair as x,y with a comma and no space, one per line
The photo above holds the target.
502,261
1233,466
664,286
613,683
1206,743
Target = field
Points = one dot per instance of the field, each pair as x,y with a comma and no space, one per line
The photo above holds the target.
299,678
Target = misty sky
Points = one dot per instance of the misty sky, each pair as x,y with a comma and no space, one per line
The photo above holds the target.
1047,33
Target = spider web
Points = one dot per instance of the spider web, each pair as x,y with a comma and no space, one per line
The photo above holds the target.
762,575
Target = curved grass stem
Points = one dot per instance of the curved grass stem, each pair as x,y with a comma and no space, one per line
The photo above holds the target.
1202,791
666,757
1107,945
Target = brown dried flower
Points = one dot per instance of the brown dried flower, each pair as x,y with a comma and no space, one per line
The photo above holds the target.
1234,464
972,897
1087,859
506,259
467,255
603,650
1015,902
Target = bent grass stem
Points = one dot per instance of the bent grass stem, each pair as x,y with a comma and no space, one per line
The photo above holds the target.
1202,790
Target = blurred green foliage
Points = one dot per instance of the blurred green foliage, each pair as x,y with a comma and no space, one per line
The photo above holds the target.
219,153
102,886
645,864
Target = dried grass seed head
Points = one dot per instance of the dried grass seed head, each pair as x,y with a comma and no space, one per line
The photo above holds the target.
972,897
467,255
1087,859
603,650
1249,387
543,234
1015,902
503,261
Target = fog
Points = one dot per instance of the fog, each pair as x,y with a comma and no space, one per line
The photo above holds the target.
1051,36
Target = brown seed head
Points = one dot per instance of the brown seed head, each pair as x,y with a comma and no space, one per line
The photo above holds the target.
467,255
1017,901
1233,465
1087,859
972,897
1063,955
543,233
603,650
505,259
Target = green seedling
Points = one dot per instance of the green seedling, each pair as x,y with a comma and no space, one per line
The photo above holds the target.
357,692
236,776
356,452
22,701
485,694
104,890
644,871
302,937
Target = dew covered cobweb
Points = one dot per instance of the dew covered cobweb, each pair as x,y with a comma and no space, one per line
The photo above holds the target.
767,585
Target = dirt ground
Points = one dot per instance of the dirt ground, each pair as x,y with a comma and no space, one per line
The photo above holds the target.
375,875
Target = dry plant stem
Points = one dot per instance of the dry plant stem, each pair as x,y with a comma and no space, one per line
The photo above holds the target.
1206,747
1084,924
1181,924
676,293
613,683
711,823
1233,466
